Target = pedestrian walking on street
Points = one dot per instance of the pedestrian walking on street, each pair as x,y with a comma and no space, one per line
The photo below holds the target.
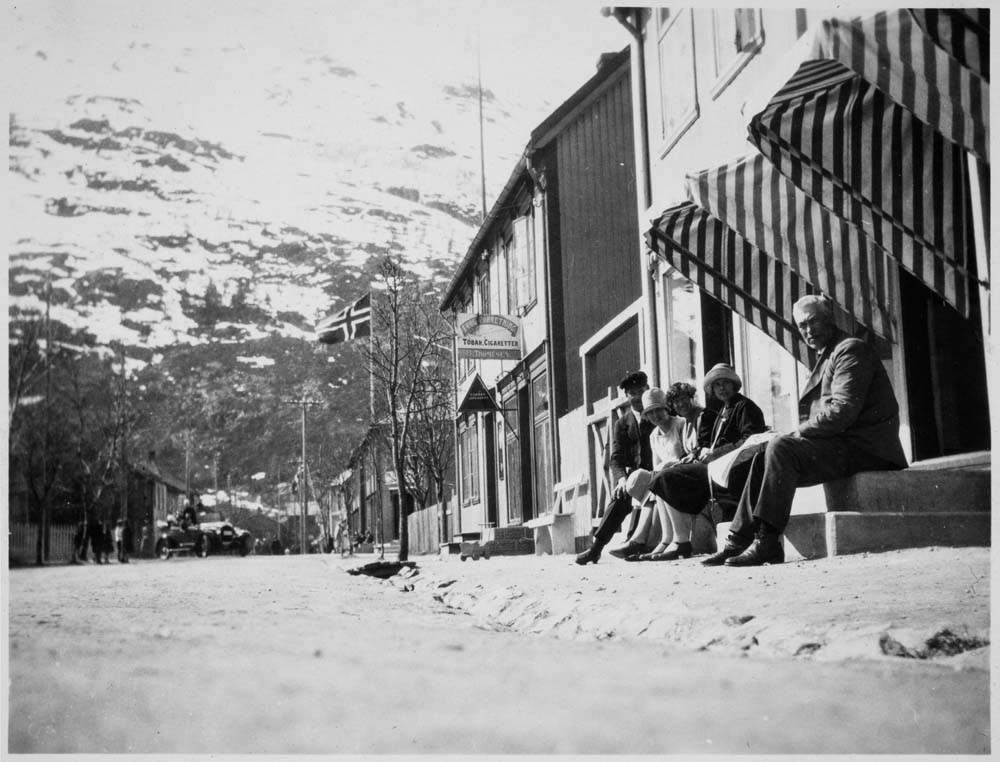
129,539
146,540
107,543
95,534
119,535
80,543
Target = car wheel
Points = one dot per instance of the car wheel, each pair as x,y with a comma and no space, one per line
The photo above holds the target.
163,550
202,547
245,546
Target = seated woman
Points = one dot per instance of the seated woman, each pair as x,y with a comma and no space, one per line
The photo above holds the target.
666,443
684,486
699,423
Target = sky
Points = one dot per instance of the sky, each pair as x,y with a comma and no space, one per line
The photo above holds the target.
219,69
539,52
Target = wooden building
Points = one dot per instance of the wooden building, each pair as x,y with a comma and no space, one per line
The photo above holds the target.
558,251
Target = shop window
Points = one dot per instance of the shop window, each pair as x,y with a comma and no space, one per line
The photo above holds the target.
468,445
737,35
683,326
512,447
542,442
771,377
678,86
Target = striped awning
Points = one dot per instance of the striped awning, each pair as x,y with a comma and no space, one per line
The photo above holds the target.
875,124
726,266
779,220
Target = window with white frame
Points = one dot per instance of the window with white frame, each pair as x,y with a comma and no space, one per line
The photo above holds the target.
770,376
683,320
737,35
468,446
510,263
512,447
542,442
485,306
503,279
678,86
520,252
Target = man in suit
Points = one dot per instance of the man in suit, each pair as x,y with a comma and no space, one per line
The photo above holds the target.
850,423
629,450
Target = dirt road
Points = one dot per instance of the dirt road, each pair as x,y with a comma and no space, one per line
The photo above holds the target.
292,655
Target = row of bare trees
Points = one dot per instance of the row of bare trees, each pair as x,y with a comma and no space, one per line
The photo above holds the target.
412,379
69,421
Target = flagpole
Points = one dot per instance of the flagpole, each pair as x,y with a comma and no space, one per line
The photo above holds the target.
371,357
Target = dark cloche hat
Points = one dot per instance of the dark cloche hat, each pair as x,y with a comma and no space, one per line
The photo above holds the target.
633,379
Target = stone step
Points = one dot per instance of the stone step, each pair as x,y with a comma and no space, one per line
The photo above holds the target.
821,535
911,491
840,533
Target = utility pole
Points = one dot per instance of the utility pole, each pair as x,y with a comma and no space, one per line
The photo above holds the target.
43,518
303,402
187,463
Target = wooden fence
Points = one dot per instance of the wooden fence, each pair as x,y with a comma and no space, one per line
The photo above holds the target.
23,537
425,530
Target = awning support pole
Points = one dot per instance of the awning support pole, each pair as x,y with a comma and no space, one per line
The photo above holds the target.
981,241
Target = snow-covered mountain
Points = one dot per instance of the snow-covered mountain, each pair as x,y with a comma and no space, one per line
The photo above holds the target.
141,210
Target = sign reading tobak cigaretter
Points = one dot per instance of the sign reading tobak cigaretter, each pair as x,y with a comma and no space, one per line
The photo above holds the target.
487,337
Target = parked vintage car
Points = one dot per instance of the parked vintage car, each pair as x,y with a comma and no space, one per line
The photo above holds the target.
212,534
222,536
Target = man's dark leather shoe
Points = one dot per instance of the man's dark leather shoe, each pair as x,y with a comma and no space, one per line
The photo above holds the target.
589,556
729,550
764,550
628,549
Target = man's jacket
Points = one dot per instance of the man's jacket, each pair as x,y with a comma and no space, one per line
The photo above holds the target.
849,395
630,446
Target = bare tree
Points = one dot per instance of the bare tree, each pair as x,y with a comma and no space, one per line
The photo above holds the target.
26,367
408,340
433,443
102,415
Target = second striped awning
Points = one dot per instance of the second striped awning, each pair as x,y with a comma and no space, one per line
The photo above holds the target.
782,222
875,124
726,266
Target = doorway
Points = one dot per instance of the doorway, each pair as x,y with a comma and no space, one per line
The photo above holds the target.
945,373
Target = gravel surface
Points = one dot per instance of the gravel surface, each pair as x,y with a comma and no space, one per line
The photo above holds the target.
523,655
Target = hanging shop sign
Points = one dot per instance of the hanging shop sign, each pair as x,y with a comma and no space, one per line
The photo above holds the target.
487,337
473,396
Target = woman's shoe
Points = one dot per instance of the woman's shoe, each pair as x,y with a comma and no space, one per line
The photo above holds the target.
628,549
680,550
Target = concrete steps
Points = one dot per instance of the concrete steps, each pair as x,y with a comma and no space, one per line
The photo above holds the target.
943,502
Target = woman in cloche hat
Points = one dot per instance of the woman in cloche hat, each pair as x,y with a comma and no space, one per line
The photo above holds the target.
684,486
666,442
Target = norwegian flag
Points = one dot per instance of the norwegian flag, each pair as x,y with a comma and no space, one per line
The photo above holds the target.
350,323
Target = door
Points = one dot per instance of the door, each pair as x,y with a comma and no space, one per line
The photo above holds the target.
945,373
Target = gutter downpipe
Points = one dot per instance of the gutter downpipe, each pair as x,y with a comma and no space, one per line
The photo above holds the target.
629,18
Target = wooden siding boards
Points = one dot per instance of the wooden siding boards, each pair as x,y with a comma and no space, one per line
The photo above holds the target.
598,241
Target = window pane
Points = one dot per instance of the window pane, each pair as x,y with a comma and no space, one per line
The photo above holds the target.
513,448
677,83
543,468
484,294
540,396
684,321
771,379
511,260
474,456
